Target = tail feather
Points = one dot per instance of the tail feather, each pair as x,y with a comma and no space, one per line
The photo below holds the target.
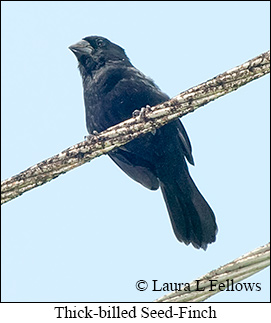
192,219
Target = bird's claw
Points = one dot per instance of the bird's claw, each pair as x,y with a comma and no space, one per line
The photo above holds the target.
136,113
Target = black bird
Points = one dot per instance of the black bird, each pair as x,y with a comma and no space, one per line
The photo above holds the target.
113,90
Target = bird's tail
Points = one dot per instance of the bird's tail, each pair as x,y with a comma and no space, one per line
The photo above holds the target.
192,219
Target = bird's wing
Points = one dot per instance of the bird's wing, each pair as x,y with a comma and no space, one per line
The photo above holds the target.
136,167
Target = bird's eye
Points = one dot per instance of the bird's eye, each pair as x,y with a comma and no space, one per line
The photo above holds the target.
100,43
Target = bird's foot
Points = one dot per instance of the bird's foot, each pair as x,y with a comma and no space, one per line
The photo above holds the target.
92,135
142,113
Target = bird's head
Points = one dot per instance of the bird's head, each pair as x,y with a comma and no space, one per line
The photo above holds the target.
93,52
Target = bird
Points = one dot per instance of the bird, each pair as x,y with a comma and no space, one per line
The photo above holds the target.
113,90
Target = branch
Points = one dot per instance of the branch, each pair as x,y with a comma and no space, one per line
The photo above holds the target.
223,277
116,136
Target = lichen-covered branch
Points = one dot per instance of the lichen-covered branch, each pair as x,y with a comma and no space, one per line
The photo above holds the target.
149,120
222,278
